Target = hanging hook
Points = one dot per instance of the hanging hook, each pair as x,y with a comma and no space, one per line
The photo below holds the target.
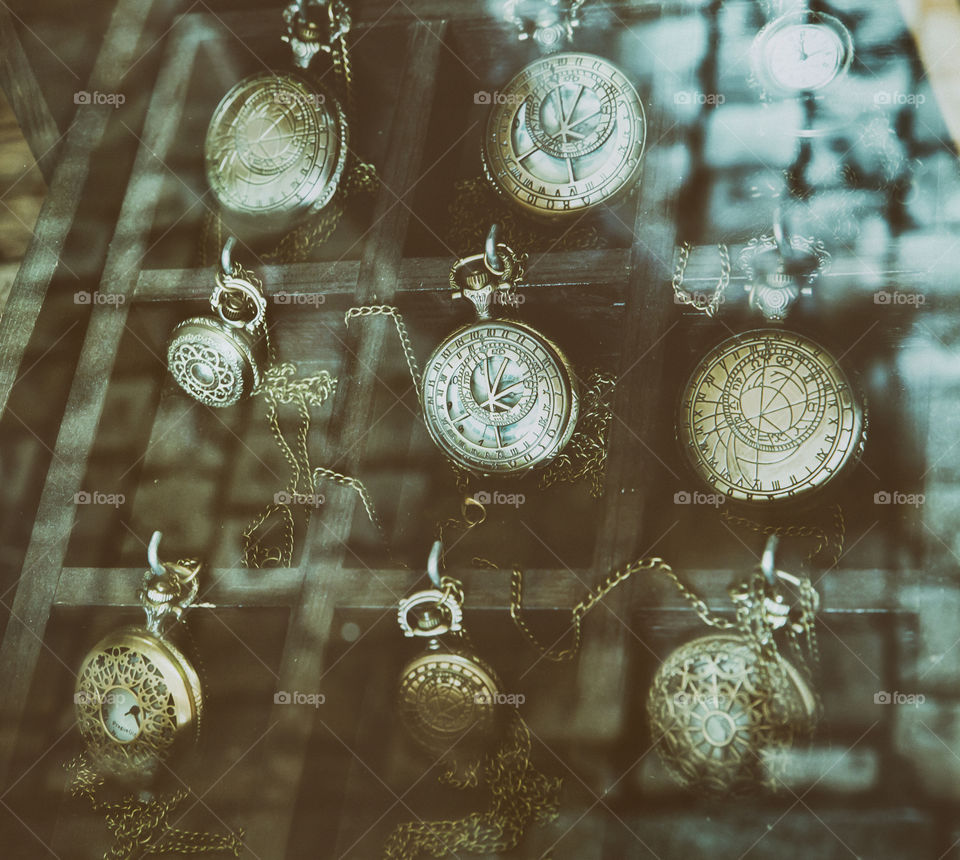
433,563
490,256
781,235
154,562
767,562
226,256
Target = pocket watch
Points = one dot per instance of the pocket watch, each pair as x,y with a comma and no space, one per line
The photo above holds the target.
276,145
497,396
138,698
800,52
726,708
217,359
567,133
770,415
446,696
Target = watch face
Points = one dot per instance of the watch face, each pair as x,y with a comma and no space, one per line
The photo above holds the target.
276,146
499,398
136,698
801,52
565,134
213,362
443,697
769,416
721,716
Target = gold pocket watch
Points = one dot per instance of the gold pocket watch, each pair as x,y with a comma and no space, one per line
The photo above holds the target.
217,360
139,704
726,708
447,694
276,145
497,396
768,415
800,52
567,133
138,698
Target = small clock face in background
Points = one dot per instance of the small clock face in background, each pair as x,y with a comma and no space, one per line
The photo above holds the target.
804,56
802,52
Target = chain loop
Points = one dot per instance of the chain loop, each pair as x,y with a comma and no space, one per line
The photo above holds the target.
387,310
696,300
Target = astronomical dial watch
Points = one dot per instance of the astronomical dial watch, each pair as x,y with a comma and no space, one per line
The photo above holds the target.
138,698
447,696
567,133
276,145
217,359
770,416
800,52
726,705
497,396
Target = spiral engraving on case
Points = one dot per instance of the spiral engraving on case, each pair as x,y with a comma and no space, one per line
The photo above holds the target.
723,718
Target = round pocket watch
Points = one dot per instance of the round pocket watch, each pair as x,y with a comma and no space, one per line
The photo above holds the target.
138,699
497,396
446,696
217,359
800,52
276,145
567,133
769,416
725,708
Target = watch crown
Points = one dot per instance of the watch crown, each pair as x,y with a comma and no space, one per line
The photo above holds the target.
477,280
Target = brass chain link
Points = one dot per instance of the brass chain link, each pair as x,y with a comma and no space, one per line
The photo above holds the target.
281,387
520,795
696,300
584,457
141,827
387,310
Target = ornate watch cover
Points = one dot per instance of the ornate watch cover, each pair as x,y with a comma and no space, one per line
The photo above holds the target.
566,134
722,717
770,416
275,149
137,699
